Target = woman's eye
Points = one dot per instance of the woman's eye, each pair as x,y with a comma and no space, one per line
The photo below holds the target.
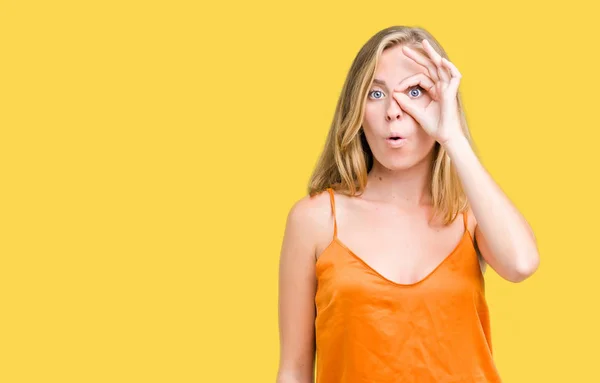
373,92
416,91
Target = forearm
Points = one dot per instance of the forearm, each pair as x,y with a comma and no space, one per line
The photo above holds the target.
510,240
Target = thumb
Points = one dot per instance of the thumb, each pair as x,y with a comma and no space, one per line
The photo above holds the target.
407,105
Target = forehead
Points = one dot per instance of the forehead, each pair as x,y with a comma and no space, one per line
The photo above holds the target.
394,66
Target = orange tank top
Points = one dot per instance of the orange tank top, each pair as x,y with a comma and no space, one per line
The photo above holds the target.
370,329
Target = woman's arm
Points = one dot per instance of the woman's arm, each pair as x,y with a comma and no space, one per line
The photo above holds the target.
297,287
503,236
505,239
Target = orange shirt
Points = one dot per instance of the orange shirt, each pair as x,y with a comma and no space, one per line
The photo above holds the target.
370,329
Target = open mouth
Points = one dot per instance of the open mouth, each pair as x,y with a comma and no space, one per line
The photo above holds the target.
396,141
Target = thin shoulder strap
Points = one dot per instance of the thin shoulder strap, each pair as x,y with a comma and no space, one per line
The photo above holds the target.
330,190
465,217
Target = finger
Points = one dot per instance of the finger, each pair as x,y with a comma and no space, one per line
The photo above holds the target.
405,103
453,69
418,79
423,116
456,75
422,60
437,60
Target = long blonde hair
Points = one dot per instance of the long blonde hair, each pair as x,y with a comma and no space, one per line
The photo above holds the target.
347,158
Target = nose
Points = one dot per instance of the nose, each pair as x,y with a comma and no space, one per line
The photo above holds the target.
393,112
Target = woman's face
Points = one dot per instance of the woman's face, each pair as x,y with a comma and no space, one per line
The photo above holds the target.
384,116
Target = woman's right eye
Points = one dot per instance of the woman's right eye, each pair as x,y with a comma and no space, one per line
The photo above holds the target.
375,92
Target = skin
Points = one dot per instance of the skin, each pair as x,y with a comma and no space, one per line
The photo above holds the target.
417,99
399,175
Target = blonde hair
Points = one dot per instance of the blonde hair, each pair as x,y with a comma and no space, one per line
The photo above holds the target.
347,158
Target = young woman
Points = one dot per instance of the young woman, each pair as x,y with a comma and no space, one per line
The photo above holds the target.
381,268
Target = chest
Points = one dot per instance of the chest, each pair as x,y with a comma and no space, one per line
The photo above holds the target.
402,247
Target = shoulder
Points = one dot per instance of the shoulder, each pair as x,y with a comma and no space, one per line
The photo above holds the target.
310,218
311,208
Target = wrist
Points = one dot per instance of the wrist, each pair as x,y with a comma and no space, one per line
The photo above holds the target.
456,143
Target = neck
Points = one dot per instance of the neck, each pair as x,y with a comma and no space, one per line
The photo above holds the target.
404,188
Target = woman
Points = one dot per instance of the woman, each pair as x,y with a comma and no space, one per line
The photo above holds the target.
381,269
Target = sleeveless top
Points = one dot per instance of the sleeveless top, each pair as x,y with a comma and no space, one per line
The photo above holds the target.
370,329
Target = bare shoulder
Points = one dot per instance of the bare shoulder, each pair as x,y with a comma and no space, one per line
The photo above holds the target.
298,285
310,219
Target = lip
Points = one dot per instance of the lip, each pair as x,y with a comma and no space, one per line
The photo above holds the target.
396,143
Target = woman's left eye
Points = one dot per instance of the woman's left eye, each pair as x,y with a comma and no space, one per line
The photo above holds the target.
416,91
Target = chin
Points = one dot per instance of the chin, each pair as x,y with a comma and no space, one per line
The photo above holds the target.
403,162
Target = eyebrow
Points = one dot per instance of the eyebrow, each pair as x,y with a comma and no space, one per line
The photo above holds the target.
381,82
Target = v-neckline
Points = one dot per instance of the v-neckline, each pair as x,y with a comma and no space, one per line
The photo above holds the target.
466,235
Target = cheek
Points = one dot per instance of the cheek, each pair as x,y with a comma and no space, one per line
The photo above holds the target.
372,118
371,112
424,142
369,135
424,100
